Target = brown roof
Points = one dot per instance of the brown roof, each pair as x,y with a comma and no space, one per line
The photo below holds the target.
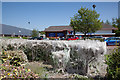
58,28
108,27
69,28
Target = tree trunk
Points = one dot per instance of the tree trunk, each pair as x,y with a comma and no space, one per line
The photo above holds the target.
74,32
84,36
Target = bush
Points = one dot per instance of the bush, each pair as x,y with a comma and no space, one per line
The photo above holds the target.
11,71
24,37
11,67
117,33
10,47
38,53
37,68
41,52
113,62
101,40
15,58
52,38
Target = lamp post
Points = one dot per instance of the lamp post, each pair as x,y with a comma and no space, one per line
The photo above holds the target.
13,35
20,32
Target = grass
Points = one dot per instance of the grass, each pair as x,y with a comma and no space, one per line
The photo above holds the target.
13,37
37,68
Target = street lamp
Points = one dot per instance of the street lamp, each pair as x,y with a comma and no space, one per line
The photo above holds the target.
13,34
19,32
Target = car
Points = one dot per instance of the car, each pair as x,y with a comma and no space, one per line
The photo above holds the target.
39,38
33,38
72,38
113,41
96,37
36,38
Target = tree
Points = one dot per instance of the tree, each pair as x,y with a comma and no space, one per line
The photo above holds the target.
42,32
86,21
116,24
34,33
102,21
107,22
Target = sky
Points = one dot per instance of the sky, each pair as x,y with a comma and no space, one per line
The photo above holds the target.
44,14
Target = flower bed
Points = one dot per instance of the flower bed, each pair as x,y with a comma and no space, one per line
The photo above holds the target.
11,67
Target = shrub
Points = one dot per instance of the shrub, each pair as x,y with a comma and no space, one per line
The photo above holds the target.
37,68
39,53
101,40
24,37
11,67
113,62
10,47
52,38
117,33
10,71
15,58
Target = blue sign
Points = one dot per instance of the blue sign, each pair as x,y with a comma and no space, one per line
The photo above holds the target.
51,34
60,34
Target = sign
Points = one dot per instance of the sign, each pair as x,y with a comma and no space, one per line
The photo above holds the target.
51,34
60,34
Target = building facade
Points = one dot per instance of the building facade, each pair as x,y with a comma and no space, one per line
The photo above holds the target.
67,31
7,30
57,31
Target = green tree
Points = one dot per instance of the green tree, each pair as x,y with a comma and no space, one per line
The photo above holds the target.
86,21
42,32
35,33
102,21
107,22
116,24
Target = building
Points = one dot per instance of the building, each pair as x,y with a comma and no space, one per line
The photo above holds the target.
7,30
106,31
57,31
119,9
63,31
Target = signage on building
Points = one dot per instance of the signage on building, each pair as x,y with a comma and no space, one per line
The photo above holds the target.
51,34
60,34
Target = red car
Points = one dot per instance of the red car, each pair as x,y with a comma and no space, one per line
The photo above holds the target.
73,38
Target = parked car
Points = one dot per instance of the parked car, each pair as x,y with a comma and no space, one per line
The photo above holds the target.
72,38
97,37
36,38
113,41
39,38
33,38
